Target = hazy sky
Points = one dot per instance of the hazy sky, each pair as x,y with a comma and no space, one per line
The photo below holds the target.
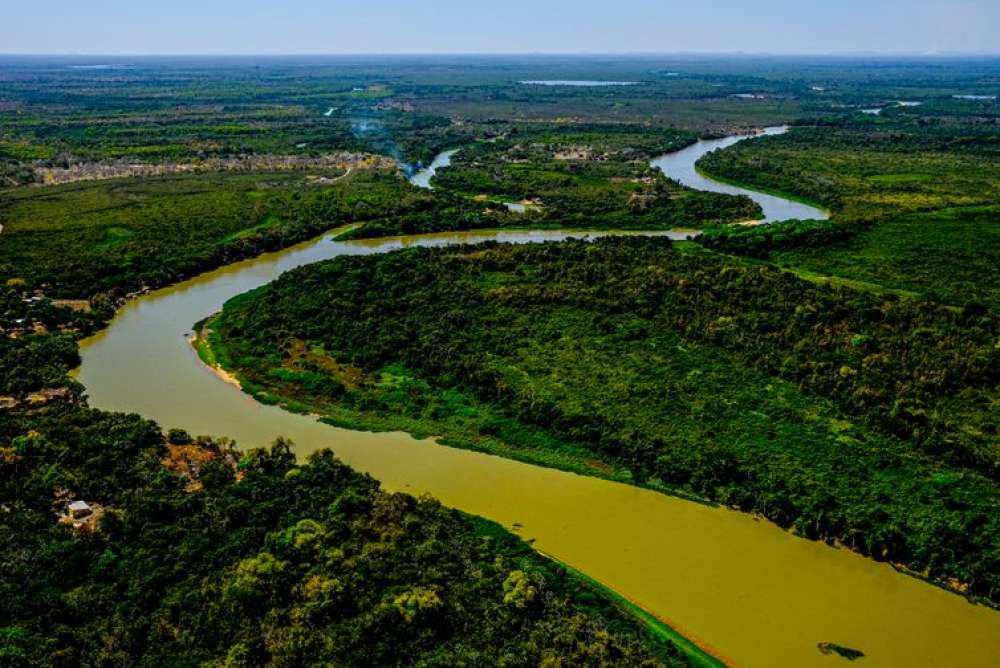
497,26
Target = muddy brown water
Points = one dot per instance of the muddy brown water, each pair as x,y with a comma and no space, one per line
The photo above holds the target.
749,592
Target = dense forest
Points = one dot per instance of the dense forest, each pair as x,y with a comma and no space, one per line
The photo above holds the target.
948,256
112,237
840,378
760,241
190,552
82,239
845,415
197,554
867,171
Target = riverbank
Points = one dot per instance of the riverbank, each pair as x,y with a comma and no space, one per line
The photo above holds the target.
639,531
507,379
699,654
774,192
211,350
683,166
200,342
521,444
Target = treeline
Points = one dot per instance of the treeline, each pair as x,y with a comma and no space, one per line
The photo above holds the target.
846,415
759,241
195,554
38,340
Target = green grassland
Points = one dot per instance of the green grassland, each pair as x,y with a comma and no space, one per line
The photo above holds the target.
845,415
949,256
914,195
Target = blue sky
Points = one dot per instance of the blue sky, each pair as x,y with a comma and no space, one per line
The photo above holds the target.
498,26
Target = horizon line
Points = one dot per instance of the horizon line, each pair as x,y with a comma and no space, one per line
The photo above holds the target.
814,54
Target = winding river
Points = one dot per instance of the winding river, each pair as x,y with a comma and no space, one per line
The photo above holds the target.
680,166
747,591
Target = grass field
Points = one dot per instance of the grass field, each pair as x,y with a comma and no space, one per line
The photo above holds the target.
950,256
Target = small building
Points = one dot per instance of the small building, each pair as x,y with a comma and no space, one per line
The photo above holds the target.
79,510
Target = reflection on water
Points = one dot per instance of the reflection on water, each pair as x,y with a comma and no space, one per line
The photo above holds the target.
422,177
680,166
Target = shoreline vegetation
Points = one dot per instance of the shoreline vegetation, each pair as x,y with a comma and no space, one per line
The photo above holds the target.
701,655
258,557
920,169
312,383
199,341
916,188
205,343
587,175
750,185
114,461
124,236
211,350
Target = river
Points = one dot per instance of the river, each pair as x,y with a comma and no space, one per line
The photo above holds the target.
680,166
752,594
422,177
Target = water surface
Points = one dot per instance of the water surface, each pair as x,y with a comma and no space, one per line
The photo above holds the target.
680,166
422,177
750,592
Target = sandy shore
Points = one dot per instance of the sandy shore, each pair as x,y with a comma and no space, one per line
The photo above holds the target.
202,338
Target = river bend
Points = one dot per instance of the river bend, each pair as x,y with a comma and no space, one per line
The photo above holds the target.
749,592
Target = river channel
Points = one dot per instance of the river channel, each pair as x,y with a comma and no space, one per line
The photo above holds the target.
747,591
